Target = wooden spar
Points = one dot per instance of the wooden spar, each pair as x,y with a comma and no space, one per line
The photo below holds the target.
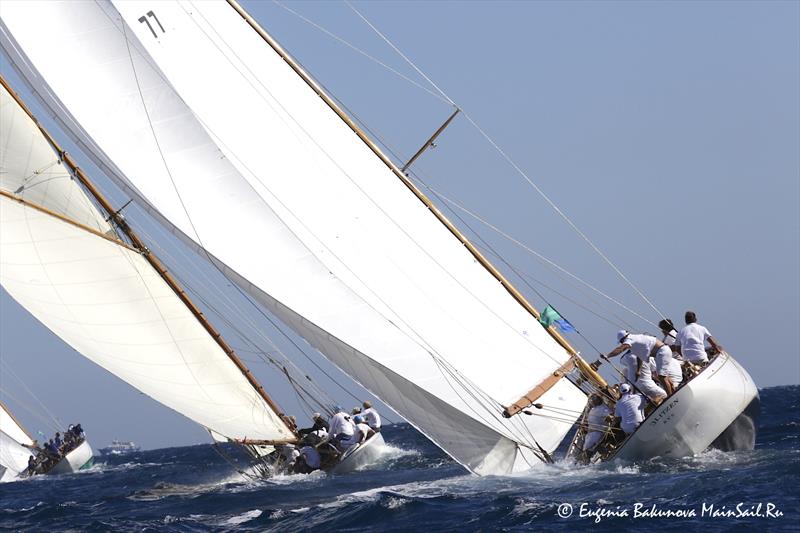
429,142
536,392
62,218
259,442
588,372
139,245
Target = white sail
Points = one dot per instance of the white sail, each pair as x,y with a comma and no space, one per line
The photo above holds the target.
186,106
13,455
106,301
12,428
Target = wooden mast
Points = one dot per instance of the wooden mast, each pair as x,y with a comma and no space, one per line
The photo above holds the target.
576,359
139,245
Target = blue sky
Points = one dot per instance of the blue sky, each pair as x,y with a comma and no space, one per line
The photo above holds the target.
668,132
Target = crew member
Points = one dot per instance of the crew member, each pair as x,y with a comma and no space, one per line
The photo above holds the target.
691,340
371,416
629,409
597,423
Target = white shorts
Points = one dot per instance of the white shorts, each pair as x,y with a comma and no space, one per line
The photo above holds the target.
650,389
667,365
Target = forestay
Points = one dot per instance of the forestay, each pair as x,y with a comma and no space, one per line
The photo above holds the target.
190,110
105,300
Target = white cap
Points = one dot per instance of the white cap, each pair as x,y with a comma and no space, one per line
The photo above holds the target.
621,334
624,388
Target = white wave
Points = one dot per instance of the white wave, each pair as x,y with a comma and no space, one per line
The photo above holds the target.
244,517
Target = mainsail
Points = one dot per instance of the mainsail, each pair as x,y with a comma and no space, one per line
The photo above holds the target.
63,262
190,110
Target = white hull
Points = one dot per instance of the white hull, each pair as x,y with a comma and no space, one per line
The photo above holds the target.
365,454
692,418
78,459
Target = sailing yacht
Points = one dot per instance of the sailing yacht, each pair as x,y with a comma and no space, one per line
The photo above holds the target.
350,254
75,264
17,446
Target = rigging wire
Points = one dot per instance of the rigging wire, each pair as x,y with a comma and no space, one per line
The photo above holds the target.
511,162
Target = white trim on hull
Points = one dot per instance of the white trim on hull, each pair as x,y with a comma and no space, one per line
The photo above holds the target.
366,454
688,422
77,459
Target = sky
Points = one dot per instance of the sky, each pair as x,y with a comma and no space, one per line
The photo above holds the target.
667,132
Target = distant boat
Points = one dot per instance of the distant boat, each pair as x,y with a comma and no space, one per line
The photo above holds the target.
118,447
16,446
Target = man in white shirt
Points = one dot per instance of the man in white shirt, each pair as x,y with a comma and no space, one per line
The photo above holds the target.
597,424
629,409
363,431
668,369
691,340
371,416
341,428
308,460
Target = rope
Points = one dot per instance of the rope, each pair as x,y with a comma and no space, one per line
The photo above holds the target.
511,163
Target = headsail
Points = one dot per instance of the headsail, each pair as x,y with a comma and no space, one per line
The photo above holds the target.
63,263
13,439
207,126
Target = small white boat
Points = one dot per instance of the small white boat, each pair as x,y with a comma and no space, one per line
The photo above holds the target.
360,456
118,447
79,458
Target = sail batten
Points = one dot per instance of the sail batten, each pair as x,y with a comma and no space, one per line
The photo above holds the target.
346,254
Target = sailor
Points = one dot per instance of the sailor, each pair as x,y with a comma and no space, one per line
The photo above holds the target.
341,427
308,460
691,340
31,464
668,330
668,369
57,441
363,430
371,416
646,384
629,409
640,346
630,366
596,422
319,424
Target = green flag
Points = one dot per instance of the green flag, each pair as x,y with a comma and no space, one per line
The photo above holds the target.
549,316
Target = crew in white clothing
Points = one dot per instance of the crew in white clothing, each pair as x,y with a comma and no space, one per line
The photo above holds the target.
639,345
597,423
646,384
691,340
371,416
363,431
668,330
307,461
668,369
629,409
630,366
341,427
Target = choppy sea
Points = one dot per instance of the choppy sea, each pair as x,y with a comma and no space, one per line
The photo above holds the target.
415,487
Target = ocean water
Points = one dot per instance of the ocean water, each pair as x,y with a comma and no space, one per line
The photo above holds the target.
415,487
